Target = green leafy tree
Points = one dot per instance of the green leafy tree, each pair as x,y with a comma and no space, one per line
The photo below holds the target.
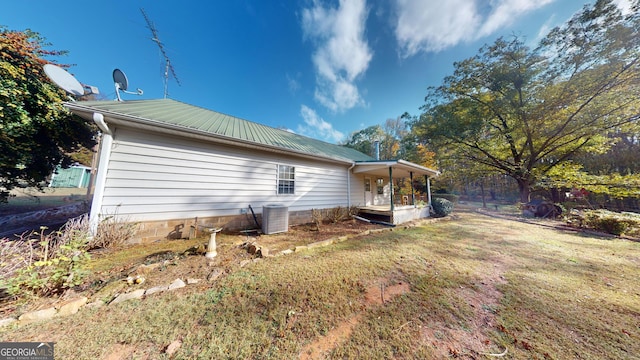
364,139
523,112
36,132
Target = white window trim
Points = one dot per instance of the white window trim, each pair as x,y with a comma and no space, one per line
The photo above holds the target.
293,181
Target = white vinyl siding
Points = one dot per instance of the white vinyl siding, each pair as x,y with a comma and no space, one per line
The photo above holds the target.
153,177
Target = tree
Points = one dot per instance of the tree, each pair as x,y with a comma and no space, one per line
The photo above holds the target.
365,139
523,112
37,133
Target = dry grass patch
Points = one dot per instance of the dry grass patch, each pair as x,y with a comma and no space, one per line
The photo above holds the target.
477,285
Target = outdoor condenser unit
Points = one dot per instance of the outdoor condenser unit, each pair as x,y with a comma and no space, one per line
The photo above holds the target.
275,218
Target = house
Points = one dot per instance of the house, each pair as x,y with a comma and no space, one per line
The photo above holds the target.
76,176
172,167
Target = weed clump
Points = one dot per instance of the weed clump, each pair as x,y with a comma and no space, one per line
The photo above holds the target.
45,264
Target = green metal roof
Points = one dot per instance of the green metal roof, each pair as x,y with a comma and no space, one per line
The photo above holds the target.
181,115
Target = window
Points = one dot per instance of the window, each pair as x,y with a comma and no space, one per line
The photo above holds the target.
380,185
367,184
286,179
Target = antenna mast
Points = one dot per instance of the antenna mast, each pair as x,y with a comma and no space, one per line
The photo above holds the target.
168,68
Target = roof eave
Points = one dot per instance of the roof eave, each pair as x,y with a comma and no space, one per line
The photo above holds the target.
116,118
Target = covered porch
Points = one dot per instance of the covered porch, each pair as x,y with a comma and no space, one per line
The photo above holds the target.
380,201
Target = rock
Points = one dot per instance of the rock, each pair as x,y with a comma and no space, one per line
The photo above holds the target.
263,252
96,304
192,281
38,315
286,252
320,244
146,269
138,279
137,294
173,347
214,275
7,321
176,284
156,289
252,248
71,307
244,263
301,248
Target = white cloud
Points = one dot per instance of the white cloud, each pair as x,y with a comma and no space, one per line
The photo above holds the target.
434,25
505,12
424,25
293,83
342,53
317,127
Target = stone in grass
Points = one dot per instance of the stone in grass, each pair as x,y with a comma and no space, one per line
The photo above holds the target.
214,275
192,281
173,347
96,304
7,321
263,252
137,294
156,289
177,284
38,315
71,307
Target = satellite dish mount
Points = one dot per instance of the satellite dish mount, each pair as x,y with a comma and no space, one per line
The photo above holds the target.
122,84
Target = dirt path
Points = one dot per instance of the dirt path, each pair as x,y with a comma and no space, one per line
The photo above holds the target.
380,292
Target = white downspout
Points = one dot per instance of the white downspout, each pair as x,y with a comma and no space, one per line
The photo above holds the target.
349,185
101,176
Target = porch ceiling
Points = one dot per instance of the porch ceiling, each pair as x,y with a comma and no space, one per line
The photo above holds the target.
400,169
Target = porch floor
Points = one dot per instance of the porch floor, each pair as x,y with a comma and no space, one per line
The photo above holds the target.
381,212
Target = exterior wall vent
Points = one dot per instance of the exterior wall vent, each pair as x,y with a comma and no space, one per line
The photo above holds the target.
275,218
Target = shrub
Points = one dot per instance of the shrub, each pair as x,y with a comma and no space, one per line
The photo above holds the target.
441,207
112,232
317,218
45,264
337,214
607,221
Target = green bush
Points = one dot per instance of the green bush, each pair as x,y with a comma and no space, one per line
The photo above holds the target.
441,207
453,198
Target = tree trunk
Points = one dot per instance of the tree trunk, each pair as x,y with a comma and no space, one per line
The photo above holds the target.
525,190
484,201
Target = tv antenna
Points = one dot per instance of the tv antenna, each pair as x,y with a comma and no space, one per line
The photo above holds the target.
168,68
121,83
68,82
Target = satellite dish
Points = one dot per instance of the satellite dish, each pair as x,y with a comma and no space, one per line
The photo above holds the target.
121,83
63,79
120,79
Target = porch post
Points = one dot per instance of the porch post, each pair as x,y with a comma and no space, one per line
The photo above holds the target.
413,195
391,187
427,181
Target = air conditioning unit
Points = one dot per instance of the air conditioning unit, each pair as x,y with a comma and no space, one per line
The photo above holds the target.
275,218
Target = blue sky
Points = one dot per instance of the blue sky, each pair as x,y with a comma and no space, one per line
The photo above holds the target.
320,68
